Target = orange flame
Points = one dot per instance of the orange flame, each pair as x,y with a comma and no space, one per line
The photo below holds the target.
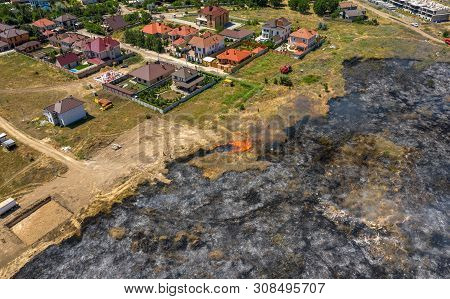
240,146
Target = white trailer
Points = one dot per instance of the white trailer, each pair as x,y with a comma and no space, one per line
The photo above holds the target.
7,205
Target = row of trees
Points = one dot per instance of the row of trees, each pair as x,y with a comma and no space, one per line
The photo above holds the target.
142,40
17,14
320,7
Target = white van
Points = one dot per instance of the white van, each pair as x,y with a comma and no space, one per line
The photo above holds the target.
7,205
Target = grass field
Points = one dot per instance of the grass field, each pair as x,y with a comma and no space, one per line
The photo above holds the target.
23,168
23,107
20,71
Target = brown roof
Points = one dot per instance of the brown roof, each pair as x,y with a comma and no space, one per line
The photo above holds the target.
66,17
213,11
64,105
152,71
279,22
347,4
185,73
115,22
236,33
28,45
201,42
41,23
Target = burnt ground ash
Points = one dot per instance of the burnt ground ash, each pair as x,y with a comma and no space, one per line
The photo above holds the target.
362,193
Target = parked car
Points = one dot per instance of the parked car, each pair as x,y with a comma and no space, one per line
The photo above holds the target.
415,24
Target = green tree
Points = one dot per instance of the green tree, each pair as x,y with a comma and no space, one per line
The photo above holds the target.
299,5
321,7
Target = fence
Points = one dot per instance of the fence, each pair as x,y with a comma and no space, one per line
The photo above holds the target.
124,93
85,72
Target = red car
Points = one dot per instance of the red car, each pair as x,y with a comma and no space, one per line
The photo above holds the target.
447,41
285,69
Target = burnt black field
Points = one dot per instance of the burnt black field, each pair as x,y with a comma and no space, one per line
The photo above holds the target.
361,193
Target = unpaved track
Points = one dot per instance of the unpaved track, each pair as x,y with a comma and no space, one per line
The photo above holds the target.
40,146
393,19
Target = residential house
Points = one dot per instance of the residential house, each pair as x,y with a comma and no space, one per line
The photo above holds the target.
29,46
65,112
347,5
235,35
67,21
14,37
105,48
213,17
4,27
44,24
114,23
184,31
232,58
67,41
203,46
157,29
187,79
179,47
68,60
153,73
354,14
302,41
276,30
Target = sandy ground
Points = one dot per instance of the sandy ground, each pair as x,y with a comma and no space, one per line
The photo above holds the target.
91,186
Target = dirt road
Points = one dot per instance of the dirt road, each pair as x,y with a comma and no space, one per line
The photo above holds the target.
398,21
40,146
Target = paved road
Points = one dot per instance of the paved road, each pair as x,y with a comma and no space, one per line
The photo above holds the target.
40,146
398,21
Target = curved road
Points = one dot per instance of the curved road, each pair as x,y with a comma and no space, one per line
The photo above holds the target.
40,146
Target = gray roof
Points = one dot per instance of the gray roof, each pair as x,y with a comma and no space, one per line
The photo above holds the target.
28,44
66,17
236,33
64,105
355,13
3,44
115,22
152,71
185,73
4,27
9,33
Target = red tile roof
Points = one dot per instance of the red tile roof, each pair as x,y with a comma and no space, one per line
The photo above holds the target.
95,60
304,33
235,55
67,58
183,31
101,44
42,23
178,42
213,11
155,28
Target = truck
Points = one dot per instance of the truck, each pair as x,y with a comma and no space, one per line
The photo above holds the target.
7,205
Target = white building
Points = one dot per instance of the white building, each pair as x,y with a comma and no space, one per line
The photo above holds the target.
65,111
276,30
427,9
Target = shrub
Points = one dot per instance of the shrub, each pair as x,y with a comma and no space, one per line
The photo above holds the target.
310,79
